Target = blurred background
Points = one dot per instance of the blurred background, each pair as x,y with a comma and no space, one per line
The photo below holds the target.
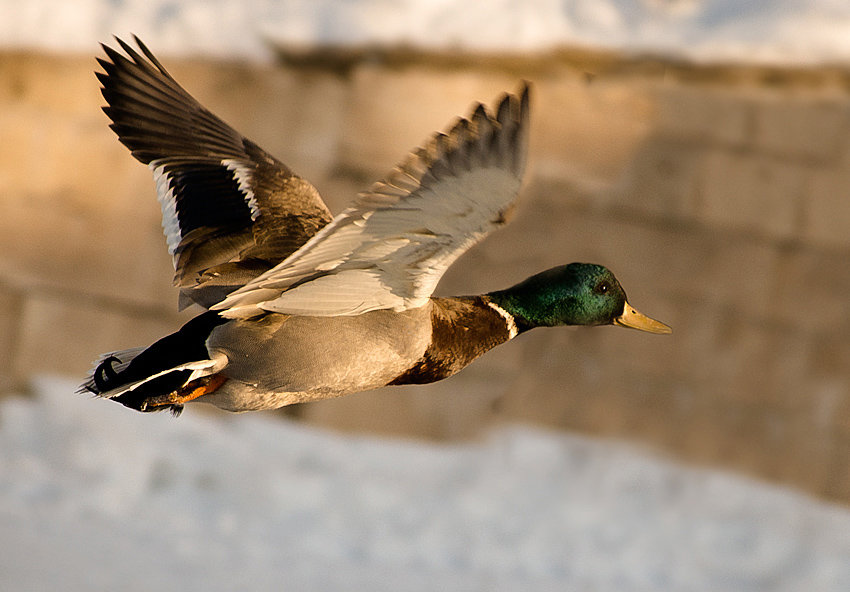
698,148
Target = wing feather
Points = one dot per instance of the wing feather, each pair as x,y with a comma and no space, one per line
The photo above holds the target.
230,210
390,249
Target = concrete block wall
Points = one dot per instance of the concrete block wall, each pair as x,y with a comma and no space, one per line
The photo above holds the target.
720,201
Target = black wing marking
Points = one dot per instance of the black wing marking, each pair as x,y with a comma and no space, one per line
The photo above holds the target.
230,210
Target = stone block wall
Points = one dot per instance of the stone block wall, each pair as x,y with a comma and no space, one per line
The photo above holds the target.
719,197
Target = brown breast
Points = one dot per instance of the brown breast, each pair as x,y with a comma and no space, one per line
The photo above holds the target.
462,329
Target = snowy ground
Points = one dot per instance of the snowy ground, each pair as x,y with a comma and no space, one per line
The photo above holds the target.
95,497
752,30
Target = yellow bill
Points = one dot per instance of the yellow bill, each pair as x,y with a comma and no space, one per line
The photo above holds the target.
635,320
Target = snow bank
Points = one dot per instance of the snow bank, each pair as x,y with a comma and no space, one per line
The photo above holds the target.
95,497
797,31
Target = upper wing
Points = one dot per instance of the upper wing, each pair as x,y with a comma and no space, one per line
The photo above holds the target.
230,211
390,249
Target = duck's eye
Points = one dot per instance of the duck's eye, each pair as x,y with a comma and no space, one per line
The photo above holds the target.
602,287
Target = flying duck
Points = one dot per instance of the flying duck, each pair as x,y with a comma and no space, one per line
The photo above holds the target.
301,305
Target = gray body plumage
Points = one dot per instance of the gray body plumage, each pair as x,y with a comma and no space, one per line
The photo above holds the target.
280,359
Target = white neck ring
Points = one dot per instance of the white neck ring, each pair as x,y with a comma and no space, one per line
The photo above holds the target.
509,319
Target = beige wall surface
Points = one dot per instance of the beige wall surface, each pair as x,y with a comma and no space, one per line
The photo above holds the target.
719,197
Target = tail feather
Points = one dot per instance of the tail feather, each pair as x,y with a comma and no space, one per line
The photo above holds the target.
112,362
134,376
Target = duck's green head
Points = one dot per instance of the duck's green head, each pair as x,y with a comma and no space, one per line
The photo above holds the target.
574,294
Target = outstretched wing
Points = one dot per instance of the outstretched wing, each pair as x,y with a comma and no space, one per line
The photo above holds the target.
390,249
230,211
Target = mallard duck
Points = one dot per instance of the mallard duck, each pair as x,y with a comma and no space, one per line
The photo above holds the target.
301,305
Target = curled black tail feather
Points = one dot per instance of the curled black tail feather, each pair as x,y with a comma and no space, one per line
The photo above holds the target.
182,347
104,374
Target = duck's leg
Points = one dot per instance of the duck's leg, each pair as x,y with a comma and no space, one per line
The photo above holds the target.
192,390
